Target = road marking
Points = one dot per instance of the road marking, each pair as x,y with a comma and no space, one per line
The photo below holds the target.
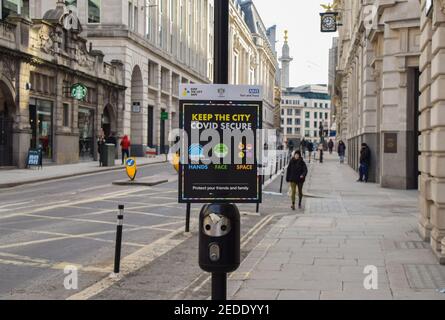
91,200
24,261
134,262
88,235
14,204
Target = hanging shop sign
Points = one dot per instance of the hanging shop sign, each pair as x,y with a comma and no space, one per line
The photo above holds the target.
164,116
220,125
79,91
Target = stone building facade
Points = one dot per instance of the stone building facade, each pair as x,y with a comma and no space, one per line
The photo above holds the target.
252,59
40,61
376,87
432,125
389,94
161,43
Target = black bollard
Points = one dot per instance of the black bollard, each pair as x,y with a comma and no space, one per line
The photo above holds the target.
120,225
187,218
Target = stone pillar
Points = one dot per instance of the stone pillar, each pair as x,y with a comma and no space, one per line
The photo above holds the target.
158,107
21,136
425,198
369,110
437,137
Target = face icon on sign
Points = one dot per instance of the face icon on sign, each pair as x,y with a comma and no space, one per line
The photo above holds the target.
221,150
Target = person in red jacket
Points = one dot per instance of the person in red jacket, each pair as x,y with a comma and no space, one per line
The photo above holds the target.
125,145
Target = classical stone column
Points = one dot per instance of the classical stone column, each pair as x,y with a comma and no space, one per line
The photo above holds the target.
437,138
425,199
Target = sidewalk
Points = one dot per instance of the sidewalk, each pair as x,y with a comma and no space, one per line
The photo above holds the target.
321,253
17,177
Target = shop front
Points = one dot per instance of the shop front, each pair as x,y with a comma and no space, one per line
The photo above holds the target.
86,134
41,122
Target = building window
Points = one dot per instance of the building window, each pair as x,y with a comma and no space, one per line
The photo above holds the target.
297,112
41,119
14,6
326,116
307,124
282,112
315,105
305,104
282,122
315,124
289,122
71,5
289,112
308,115
289,130
235,68
297,122
130,15
297,130
307,134
93,11
315,115
66,115
326,106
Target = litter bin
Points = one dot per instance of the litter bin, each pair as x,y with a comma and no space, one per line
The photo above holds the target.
108,155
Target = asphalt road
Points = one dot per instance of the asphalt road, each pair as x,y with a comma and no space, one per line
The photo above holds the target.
72,222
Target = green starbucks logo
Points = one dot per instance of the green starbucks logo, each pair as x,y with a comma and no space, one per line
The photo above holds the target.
221,150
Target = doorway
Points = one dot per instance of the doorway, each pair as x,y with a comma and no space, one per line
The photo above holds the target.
150,126
413,134
5,136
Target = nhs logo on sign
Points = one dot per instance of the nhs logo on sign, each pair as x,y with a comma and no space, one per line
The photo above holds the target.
254,91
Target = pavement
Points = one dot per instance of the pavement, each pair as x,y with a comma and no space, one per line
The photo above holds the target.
346,233
17,177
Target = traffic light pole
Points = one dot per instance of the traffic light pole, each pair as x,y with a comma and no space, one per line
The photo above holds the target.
221,76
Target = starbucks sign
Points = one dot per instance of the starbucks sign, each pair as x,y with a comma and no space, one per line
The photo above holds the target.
79,91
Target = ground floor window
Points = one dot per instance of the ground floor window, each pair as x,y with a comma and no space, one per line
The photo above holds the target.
86,134
41,121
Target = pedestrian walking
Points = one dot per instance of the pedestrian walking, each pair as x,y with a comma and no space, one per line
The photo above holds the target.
321,151
330,146
365,163
100,143
125,145
341,151
303,146
296,176
310,149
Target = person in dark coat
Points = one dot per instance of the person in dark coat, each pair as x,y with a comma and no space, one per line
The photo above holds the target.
341,151
365,163
330,146
296,176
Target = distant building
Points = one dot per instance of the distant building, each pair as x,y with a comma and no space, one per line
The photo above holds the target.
304,111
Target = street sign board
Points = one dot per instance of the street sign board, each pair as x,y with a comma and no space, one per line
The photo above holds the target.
34,158
164,116
131,168
218,146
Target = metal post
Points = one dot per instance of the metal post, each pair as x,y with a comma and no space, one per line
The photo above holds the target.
221,44
120,225
187,218
282,180
219,286
221,76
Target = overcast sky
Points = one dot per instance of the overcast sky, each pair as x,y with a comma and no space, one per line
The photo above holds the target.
308,46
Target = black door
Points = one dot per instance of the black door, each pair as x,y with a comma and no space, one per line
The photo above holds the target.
162,138
416,111
150,127
5,141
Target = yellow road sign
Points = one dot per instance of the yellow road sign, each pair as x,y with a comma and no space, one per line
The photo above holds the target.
131,168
